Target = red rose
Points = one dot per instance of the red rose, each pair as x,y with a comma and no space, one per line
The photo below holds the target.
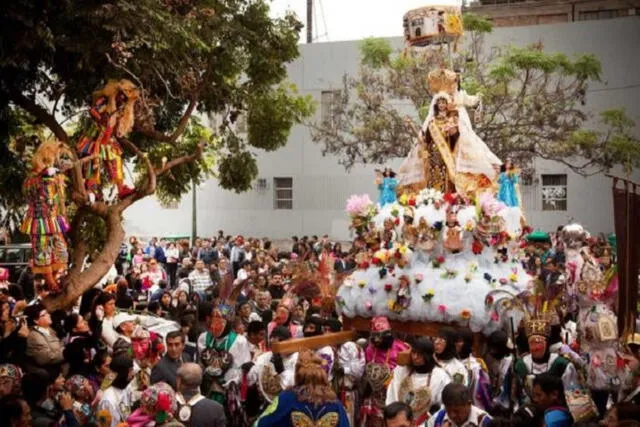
397,255
396,221
388,287
364,265
440,259
376,261
476,247
412,202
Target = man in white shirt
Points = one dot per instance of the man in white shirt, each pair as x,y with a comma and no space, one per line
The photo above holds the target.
458,410
200,278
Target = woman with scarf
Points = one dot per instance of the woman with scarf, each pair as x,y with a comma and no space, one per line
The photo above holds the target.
311,401
82,342
447,357
419,385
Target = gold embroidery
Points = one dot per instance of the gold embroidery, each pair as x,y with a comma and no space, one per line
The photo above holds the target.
419,399
300,419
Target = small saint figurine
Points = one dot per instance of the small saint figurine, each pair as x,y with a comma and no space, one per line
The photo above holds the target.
508,181
387,183
452,233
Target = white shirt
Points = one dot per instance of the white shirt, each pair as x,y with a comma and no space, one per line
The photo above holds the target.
436,380
109,334
476,417
111,400
173,255
287,377
241,352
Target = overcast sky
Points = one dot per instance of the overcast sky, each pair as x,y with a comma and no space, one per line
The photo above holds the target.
337,20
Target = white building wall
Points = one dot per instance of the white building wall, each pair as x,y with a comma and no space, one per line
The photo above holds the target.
321,185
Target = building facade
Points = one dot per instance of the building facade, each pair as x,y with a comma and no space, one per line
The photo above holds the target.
300,192
514,13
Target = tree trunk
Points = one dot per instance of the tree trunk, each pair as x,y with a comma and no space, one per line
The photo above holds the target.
79,283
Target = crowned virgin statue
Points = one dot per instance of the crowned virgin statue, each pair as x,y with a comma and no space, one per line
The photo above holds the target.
449,155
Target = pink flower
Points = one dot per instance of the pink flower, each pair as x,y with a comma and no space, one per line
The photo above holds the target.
442,308
359,204
495,317
368,305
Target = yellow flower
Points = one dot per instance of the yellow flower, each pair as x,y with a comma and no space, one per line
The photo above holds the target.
362,283
431,292
403,199
513,277
390,304
403,249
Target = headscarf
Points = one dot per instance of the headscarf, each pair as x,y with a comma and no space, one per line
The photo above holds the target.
451,337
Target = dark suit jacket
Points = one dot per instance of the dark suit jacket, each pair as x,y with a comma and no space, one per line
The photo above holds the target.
166,369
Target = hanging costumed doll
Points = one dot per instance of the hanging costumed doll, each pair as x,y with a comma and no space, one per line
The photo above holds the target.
113,117
45,222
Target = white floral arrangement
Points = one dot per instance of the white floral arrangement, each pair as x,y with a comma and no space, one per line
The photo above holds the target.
429,196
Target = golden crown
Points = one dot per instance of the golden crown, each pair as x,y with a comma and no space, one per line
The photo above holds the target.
540,325
442,80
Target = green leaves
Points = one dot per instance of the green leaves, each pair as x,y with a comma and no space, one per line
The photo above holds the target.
237,171
534,105
375,52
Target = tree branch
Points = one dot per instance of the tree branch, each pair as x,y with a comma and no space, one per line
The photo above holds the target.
182,125
40,114
181,160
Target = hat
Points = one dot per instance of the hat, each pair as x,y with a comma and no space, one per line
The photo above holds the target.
380,324
80,388
537,326
160,400
9,370
120,318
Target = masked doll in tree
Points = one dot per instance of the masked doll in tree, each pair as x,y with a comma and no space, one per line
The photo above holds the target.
419,385
479,381
45,221
223,352
272,372
540,359
113,115
382,357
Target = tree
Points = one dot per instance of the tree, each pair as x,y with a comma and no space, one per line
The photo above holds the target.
218,58
533,105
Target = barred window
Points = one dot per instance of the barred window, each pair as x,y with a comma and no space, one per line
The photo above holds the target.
283,193
554,192
328,100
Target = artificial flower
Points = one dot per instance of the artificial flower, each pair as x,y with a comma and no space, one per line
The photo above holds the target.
402,249
477,247
382,273
388,287
396,221
363,265
372,290
449,274
368,305
428,295
513,277
469,226
465,314
495,317
362,283
488,300
403,199
418,277
503,281
468,277
390,304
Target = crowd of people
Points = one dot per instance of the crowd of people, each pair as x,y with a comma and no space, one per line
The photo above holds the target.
97,365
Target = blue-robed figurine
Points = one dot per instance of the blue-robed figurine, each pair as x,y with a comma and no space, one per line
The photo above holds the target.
508,181
311,402
387,184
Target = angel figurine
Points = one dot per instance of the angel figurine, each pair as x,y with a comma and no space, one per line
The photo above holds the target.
387,183
508,181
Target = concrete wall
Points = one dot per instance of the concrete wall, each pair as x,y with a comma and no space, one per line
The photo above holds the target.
321,185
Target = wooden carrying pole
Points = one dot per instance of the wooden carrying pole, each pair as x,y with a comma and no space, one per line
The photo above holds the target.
312,343
427,329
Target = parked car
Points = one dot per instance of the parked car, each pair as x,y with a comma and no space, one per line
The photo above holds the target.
15,257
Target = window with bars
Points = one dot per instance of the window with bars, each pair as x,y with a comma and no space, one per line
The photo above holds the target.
554,192
328,100
593,15
283,193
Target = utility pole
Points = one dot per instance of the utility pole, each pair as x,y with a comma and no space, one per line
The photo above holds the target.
309,21
194,214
